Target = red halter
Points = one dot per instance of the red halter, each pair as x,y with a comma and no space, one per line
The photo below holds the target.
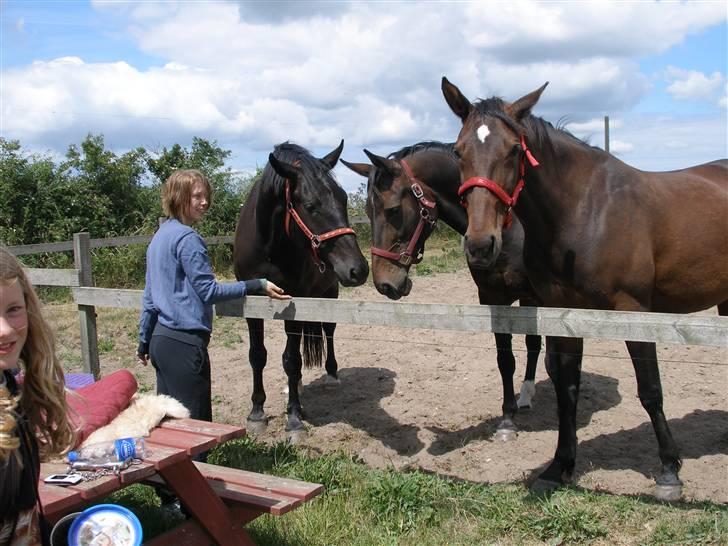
508,200
316,240
428,210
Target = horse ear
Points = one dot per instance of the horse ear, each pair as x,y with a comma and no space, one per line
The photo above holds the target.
362,169
388,165
457,102
331,158
283,169
522,107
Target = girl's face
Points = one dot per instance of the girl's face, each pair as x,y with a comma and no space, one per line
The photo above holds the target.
199,203
13,324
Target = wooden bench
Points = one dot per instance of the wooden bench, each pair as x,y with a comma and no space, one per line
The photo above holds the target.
247,494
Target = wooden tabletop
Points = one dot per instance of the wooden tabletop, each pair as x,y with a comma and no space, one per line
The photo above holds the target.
173,441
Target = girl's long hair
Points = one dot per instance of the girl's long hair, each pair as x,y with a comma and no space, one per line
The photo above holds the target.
42,398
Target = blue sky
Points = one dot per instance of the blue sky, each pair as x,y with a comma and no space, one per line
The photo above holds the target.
252,74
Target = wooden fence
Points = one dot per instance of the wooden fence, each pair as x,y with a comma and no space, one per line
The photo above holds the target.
701,330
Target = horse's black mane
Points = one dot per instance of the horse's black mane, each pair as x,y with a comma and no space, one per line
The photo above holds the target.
421,147
290,153
536,127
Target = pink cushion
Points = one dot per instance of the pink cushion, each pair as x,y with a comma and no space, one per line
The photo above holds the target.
95,405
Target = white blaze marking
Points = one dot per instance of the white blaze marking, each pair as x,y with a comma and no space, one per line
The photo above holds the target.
482,132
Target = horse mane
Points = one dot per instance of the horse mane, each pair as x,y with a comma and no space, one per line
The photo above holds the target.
421,147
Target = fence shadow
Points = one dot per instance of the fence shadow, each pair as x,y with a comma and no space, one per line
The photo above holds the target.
357,402
597,393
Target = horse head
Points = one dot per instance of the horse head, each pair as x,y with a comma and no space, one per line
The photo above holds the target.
402,212
492,152
316,211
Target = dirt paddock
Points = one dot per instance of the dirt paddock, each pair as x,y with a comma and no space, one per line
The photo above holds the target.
431,400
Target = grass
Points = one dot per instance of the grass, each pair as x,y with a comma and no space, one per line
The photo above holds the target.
362,507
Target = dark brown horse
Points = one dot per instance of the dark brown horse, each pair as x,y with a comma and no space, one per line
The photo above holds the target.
598,234
294,230
407,192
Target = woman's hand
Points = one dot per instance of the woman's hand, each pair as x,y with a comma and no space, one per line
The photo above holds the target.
143,354
275,292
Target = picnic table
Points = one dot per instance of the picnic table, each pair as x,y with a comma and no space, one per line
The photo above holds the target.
221,500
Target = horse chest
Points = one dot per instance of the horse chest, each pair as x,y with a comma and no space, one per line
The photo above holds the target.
559,277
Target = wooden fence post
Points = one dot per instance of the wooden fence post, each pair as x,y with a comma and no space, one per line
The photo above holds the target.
86,313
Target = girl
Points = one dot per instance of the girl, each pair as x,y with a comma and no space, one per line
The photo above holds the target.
33,420
180,289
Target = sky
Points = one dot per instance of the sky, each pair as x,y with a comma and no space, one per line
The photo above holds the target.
252,74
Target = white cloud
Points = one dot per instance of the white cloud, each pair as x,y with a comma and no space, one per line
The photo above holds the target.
254,74
619,147
693,85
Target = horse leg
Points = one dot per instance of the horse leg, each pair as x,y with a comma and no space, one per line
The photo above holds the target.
649,388
563,364
258,356
506,430
292,363
332,367
528,388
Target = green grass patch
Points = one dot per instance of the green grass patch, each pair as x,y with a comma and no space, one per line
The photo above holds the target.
364,507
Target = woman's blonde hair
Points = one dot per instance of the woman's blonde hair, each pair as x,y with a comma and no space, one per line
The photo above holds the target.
42,398
177,192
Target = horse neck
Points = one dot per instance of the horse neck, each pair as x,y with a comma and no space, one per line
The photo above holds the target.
441,174
556,189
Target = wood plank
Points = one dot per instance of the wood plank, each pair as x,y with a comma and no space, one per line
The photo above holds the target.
23,250
161,456
92,489
220,431
709,331
58,501
257,500
53,277
263,482
191,442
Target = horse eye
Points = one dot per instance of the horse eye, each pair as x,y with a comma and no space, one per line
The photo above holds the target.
392,212
310,207
457,153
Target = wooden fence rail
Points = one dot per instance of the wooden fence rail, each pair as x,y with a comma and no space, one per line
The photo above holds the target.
710,331
703,330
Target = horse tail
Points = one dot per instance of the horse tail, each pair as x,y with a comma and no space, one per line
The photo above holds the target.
313,345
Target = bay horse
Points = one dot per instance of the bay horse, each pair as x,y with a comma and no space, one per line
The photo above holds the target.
294,230
599,234
407,192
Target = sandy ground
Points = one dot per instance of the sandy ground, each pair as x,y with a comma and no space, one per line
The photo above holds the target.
431,400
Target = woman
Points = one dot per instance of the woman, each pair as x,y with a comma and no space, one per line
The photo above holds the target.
176,318
33,420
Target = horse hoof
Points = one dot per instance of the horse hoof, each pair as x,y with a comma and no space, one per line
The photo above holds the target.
331,381
668,493
505,435
544,487
256,428
524,405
